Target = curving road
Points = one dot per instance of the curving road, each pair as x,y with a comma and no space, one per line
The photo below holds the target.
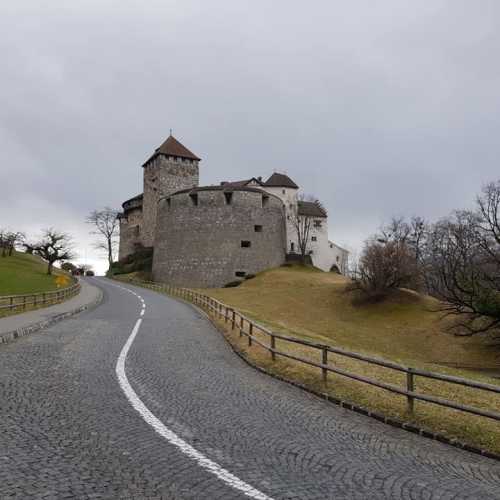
112,404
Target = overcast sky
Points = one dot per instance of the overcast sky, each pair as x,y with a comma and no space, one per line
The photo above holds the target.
376,107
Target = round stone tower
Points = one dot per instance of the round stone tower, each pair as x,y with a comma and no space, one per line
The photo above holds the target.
210,236
171,168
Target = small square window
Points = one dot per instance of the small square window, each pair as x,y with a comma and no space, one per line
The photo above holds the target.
194,199
284,191
246,244
313,238
265,200
229,197
317,223
258,228
240,274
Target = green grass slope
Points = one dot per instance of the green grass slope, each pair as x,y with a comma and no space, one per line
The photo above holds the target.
23,273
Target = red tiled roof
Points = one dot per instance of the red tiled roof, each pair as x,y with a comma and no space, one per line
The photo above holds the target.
172,147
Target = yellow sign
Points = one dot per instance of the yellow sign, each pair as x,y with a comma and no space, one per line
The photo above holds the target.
62,280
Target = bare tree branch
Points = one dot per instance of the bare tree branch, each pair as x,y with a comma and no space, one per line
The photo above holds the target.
106,226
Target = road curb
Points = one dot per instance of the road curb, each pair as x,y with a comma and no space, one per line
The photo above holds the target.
35,327
392,421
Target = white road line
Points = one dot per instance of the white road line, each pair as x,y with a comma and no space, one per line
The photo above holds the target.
203,461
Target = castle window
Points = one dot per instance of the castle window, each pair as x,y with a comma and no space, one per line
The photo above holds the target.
284,191
229,197
317,223
338,258
246,244
258,229
137,230
194,198
313,238
265,200
168,202
240,274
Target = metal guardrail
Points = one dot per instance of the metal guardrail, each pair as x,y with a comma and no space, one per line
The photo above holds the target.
23,302
248,328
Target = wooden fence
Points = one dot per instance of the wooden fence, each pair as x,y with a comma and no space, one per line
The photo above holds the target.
19,303
248,328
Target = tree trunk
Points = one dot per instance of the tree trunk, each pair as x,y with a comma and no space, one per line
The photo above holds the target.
49,268
110,254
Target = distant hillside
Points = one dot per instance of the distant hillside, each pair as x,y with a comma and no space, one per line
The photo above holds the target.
23,273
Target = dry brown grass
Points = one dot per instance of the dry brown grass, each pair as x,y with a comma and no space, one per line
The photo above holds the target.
314,306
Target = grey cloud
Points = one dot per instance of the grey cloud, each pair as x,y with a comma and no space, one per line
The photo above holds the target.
378,108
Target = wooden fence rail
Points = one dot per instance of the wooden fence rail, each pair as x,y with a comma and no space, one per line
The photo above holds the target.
22,302
248,327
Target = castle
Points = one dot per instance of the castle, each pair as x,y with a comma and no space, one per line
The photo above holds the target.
212,235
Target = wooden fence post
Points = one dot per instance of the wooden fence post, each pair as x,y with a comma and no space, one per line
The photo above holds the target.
250,333
324,361
273,346
234,319
241,326
410,387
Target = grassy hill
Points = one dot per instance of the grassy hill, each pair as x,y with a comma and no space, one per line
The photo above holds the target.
23,273
314,305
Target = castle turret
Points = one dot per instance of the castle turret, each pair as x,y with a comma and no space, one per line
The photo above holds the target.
172,167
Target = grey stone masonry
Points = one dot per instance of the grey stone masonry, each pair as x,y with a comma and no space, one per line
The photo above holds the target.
130,231
208,237
164,175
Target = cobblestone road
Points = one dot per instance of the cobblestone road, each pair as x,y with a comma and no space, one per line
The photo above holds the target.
67,430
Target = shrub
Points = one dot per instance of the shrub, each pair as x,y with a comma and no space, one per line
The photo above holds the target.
140,260
383,267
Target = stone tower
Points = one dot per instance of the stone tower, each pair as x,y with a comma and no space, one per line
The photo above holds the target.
172,167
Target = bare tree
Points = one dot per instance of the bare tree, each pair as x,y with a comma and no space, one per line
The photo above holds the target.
9,240
384,265
14,239
3,242
54,247
302,223
106,226
463,263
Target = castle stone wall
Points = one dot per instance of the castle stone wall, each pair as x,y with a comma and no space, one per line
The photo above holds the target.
130,232
162,176
201,245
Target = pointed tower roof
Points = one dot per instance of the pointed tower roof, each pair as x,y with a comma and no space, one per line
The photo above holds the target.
280,180
172,147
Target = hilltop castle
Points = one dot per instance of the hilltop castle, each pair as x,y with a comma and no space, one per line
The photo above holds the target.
212,235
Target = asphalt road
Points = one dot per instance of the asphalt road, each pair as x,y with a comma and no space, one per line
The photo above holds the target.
112,404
